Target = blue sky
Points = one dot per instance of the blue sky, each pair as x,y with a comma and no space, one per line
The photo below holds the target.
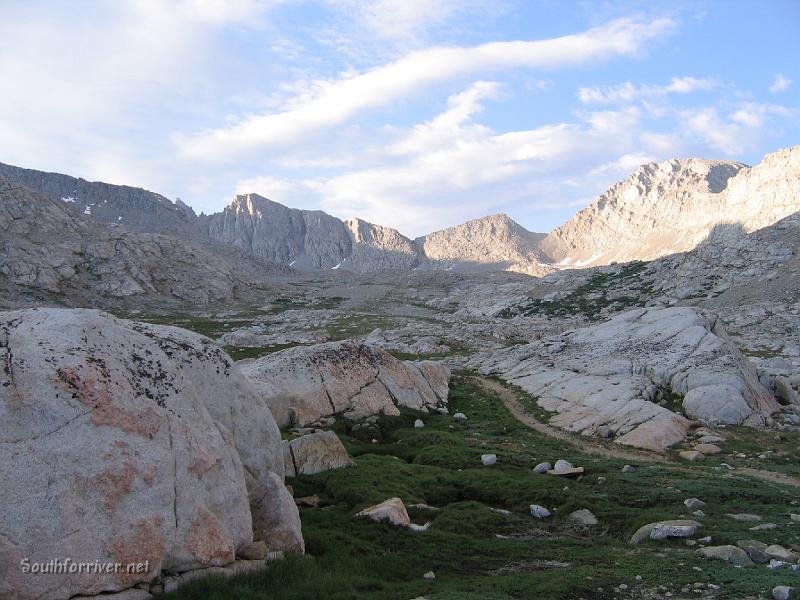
416,114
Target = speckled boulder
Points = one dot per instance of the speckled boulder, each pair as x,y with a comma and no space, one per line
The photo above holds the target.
128,442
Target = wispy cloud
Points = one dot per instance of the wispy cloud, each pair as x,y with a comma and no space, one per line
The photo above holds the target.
332,102
629,92
781,84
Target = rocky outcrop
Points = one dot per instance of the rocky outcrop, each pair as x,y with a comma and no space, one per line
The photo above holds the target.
128,442
620,374
47,247
489,243
304,384
314,453
673,206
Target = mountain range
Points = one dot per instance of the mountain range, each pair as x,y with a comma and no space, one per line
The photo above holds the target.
123,241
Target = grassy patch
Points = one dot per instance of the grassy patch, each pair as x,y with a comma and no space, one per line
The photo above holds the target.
242,352
591,298
477,552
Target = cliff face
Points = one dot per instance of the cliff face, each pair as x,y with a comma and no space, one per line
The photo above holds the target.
673,206
302,239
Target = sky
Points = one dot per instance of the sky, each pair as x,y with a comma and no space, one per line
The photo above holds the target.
413,114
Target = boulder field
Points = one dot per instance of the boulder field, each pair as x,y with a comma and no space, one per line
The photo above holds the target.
126,442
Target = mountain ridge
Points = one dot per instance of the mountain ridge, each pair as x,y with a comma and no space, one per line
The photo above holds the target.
661,208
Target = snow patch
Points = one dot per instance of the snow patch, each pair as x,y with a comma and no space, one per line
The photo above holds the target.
68,199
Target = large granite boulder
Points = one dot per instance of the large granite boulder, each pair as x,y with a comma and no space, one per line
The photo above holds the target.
303,384
612,375
128,442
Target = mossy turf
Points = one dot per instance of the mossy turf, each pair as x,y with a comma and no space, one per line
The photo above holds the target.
477,552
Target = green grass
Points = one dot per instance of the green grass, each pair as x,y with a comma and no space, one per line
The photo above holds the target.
591,298
440,465
242,352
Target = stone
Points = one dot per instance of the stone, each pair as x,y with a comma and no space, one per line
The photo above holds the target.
778,552
165,451
663,531
707,540
539,512
488,460
305,384
562,465
604,431
643,533
252,551
569,472
707,449
583,517
542,467
783,592
314,453
429,575
308,501
744,517
628,469
692,503
794,517
418,424
720,403
459,416
764,527
732,554
691,455
755,550
391,510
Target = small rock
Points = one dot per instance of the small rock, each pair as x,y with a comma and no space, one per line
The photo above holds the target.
707,449
488,460
691,455
583,517
253,551
604,431
707,540
539,512
429,575
418,424
780,553
415,527
543,467
755,550
776,564
692,503
309,501
698,513
562,465
764,527
628,469
662,532
459,416
391,510
783,592
794,517
732,554
643,533
744,517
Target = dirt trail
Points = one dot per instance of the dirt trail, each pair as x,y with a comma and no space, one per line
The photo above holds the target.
518,410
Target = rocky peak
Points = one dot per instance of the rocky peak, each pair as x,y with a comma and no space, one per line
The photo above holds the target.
672,206
493,242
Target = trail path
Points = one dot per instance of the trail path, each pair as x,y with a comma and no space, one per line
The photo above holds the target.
518,410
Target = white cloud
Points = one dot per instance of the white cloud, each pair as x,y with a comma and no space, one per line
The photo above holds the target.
447,169
330,103
781,84
628,92
742,129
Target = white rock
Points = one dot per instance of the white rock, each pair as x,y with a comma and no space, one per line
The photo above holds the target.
488,459
539,512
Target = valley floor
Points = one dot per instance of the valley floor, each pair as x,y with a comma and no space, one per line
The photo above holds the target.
483,543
